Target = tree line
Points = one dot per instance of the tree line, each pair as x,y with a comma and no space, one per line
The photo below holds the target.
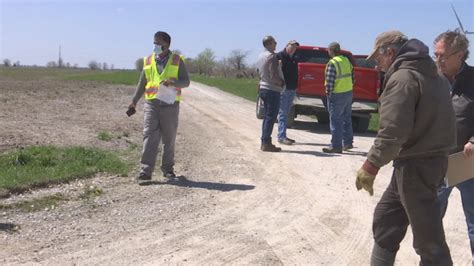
94,65
206,63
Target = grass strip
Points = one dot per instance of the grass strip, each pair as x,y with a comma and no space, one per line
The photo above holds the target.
129,77
245,88
40,166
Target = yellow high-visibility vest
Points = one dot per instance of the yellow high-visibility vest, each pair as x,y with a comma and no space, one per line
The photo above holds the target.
343,82
154,79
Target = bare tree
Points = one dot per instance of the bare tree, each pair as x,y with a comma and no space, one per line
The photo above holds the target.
176,51
205,61
224,68
7,62
139,64
237,59
52,64
94,65
105,66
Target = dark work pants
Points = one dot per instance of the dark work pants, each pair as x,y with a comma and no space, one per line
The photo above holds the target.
271,103
411,199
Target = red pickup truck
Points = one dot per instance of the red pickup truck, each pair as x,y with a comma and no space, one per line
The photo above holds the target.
310,92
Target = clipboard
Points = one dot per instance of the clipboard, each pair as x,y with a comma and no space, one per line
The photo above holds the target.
460,169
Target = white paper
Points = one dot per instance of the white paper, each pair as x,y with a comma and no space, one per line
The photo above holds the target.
166,94
460,169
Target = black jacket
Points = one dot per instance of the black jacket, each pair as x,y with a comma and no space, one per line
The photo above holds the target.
463,103
290,69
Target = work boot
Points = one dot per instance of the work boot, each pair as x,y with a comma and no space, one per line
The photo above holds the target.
382,257
331,149
169,175
291,140
268,147
285,141
348,147
143,177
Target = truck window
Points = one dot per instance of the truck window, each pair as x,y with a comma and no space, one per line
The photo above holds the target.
362,62
313,56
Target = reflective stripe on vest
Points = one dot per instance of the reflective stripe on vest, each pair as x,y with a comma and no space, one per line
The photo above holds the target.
343,81
154,79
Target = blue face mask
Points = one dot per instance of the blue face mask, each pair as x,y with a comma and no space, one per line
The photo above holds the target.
158,49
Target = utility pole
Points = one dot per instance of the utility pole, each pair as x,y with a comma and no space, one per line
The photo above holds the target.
60,60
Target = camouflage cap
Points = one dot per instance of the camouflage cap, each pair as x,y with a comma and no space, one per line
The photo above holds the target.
386,38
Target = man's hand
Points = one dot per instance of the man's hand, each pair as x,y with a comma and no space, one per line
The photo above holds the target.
168,82
366,176
468,149
132,106
365,181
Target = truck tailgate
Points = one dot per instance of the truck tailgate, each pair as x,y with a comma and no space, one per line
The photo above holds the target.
367,84
311,82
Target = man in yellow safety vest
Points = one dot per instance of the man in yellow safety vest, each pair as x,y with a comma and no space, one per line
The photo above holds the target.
339,79
163,76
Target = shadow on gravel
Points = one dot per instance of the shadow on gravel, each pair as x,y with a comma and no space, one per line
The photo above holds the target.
8,227
323,154
359,153
314,153
182,181
310,144
315,127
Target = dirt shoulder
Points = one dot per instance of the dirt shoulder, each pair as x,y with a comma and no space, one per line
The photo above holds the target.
231,204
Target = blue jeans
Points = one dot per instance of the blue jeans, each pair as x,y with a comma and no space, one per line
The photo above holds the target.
286,101
340,117
467,197
271,104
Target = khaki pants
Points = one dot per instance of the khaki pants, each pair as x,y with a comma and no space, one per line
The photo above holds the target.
160,124
411,199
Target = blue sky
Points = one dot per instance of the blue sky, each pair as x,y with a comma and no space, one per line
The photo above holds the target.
118,32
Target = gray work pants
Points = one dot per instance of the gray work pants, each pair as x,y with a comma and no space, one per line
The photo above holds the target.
412,199
160,123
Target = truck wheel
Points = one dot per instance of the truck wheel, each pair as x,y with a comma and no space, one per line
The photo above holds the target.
323,118
259,108
360,124
291,117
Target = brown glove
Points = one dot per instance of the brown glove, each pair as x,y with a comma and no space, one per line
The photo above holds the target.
366,176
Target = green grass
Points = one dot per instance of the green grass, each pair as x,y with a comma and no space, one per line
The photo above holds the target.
245,88
374,122
105,136
39,166
41,73
129,77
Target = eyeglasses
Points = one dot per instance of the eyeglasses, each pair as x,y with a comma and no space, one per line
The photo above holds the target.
443,57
